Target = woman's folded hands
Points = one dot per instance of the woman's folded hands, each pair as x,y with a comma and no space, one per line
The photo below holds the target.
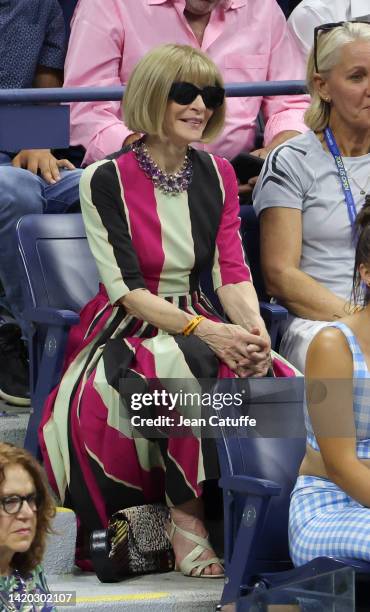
245,352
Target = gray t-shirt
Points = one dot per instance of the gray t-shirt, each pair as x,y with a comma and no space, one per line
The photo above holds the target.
300,174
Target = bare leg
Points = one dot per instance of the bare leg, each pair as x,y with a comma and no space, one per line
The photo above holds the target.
190,517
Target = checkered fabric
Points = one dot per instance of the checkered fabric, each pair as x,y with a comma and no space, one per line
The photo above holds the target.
323,520
361,397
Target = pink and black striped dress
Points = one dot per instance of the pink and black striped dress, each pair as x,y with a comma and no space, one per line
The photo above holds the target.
140,238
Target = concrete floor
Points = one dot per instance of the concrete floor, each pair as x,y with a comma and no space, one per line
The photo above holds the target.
169,592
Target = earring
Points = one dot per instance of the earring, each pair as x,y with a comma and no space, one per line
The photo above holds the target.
327,100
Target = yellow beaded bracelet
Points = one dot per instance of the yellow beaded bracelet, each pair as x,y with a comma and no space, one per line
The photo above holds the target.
189,328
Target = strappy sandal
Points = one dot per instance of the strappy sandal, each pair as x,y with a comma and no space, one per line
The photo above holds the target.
190,563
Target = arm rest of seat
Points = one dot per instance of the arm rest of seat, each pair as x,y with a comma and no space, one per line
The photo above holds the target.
250,486
52,316
243,521
273,312
273,315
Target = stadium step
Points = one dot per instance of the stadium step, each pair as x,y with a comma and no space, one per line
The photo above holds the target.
157,593
13,424
170,592
60,547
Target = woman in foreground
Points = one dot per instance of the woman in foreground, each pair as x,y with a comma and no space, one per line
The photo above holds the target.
329,512
156,214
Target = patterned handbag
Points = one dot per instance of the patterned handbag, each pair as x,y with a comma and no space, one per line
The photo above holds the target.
134,543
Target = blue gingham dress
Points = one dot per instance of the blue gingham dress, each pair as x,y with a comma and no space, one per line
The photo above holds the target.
323,520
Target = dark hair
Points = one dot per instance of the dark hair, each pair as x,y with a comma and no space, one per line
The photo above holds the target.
11,455
361,294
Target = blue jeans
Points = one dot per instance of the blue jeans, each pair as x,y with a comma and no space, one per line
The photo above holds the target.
22,193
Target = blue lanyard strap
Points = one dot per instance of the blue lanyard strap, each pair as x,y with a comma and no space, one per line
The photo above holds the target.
342,172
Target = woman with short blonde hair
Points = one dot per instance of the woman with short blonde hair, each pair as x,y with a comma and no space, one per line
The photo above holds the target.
146,95
157,213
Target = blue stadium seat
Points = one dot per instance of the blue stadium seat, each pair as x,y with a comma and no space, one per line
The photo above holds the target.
61,277
273,314
33,126
257,477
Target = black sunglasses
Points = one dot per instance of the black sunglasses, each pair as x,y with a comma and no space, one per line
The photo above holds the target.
12,504
326,27
185,93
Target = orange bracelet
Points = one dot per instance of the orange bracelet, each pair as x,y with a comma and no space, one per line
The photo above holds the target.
190,327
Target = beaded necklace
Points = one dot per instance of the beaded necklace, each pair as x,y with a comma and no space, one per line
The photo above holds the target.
170,184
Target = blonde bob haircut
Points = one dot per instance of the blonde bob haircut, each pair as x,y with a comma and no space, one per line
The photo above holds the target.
146,96
329,50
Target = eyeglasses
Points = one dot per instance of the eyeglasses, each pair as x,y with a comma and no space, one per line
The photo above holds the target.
326,27
13,503
185,93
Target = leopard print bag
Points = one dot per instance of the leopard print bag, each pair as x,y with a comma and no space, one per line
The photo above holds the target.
134,543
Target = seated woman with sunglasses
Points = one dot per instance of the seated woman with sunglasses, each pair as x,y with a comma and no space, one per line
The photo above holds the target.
26,509
156,214
312,187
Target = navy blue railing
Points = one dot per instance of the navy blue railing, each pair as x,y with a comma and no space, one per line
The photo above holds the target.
84,94
35,118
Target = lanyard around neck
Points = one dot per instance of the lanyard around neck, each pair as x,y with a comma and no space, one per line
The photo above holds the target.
342,173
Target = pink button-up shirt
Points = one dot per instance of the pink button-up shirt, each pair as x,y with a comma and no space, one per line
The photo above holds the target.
247,39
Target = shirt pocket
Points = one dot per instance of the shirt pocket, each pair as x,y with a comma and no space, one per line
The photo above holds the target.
245,68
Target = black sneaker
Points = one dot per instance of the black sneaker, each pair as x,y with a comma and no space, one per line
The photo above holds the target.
14,368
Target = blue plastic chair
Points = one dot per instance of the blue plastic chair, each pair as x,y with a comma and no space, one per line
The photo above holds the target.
61,276
273,314
257,477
